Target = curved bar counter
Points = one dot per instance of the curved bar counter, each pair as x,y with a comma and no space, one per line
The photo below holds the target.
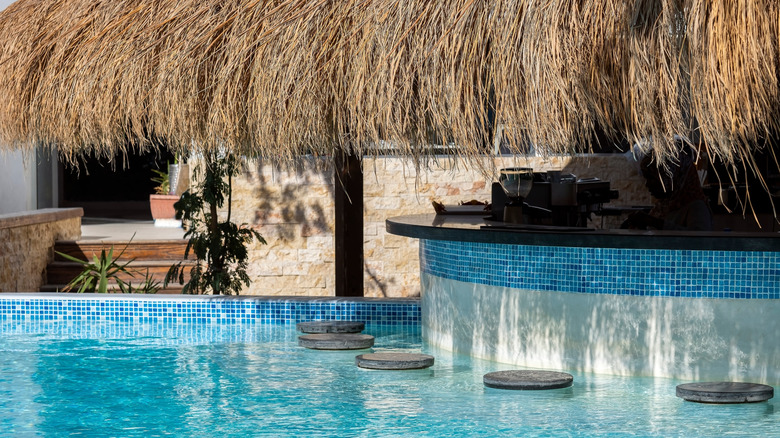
673,304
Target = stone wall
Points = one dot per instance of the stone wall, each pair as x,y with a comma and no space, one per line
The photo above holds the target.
26,242
293,210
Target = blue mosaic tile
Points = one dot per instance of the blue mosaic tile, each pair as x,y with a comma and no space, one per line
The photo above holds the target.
209,311
618,271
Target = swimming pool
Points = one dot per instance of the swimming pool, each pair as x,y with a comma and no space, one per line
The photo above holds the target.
167,378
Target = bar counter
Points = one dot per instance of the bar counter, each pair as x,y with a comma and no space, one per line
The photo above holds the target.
688,305
476,228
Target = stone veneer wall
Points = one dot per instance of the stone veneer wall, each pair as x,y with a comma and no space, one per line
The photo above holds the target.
26,242
293,210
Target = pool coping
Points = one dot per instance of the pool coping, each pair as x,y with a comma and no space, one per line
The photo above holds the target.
53,306
176,297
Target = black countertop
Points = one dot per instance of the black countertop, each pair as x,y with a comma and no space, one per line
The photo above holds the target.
475,228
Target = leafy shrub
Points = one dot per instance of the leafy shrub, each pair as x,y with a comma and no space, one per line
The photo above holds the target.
220,247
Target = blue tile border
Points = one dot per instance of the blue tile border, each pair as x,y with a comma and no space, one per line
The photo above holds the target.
208,310
616,271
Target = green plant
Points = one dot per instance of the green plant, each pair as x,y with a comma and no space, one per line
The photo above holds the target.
148,286
96,274
220,247
162,177
163,182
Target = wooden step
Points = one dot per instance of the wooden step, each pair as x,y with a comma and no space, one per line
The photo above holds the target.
152,257
64,272
113,288
138,250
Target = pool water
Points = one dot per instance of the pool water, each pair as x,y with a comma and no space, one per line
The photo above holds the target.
125,379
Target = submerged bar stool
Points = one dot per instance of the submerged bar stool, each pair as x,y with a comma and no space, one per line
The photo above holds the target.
527,379
394,361
725,392
331,326
334,335
336,341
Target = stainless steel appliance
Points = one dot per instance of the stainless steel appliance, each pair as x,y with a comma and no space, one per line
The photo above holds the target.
561,199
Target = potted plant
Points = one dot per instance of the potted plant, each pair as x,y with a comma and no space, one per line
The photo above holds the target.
161,203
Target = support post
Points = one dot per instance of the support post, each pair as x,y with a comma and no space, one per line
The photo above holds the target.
349,226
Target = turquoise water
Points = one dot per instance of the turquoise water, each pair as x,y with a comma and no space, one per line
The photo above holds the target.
127,380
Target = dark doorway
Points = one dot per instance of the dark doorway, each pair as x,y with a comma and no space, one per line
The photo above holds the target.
120,190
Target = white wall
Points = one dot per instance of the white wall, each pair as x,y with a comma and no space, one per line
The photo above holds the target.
684,338
17,181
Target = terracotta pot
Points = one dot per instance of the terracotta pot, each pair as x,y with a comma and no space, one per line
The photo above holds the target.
162,206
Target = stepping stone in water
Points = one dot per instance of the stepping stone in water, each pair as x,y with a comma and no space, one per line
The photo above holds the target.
393,361
527,379
336,341
725,392
330,326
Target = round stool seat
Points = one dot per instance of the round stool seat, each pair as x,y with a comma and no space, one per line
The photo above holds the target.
393,361
725,392
336,341
527,379
331,326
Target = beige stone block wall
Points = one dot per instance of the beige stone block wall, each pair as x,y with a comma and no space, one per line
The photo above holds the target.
26,242
293,210
393,188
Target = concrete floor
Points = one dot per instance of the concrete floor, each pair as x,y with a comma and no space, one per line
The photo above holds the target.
102,229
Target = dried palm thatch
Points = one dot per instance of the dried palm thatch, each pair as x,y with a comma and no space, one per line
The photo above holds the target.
279,78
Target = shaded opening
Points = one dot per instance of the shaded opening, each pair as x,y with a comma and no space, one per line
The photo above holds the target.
113,190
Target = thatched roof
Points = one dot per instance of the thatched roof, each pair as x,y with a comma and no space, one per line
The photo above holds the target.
276,78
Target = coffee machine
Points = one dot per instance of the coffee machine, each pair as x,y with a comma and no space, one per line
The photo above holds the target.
554,198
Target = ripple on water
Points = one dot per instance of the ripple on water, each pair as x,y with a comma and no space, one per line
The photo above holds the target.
254,380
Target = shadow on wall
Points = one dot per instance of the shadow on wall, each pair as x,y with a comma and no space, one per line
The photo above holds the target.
374,278
294,210
619,335
293,203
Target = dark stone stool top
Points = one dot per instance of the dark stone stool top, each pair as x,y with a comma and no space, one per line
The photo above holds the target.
527,379
394,361
331,326
336,341
725,392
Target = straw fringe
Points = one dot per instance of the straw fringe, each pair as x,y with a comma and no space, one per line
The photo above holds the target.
280,78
